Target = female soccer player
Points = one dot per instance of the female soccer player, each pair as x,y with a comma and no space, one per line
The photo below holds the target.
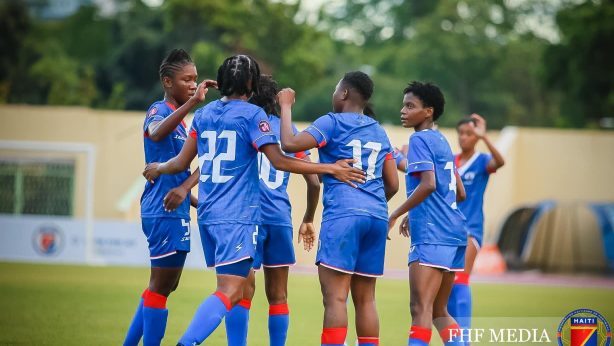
275,250
474,169
227,134
437,226
164,206
353,237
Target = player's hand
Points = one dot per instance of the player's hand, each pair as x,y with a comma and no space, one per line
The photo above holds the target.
344,172
174,198
202,89
307,234
404,227
404,150
286,97
480,125
151,171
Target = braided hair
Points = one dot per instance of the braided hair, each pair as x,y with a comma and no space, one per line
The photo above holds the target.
267,95
235,74
363,84
174,61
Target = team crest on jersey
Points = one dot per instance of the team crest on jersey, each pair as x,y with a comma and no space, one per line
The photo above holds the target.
152,111
47,240
584,327
264,126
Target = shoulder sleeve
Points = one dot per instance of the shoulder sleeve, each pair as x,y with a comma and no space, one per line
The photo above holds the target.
260,131
155,113
484,164
321,129
419,158
300,154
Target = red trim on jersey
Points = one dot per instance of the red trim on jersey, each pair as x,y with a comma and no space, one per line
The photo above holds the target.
224,299
279,309
321,144
374,340
457,160
450,332
461,278
193,134
490,170
420,333
389,157
246,303
171,106
154,300
334,335
300,155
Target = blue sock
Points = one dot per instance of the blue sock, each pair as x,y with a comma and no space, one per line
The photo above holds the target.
237,322
462,305
154,325
279,320
135,331
208,316
155,315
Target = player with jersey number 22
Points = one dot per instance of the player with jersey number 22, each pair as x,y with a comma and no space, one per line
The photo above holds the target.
438,234
227,135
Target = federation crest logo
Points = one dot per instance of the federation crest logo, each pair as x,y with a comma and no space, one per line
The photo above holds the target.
152,111
264,126
47,240
584,327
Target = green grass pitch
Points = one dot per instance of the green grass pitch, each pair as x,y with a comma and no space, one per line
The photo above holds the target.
80,305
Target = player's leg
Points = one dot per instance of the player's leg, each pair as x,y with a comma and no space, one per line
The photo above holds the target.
277,256
424,283
459,305
237,319
338,248
276,288
369,266
449,330
168,250
231,249
367,321
335,287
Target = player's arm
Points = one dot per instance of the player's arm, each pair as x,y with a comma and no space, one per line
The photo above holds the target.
177,164
290,142
176,196
306,232
158,130
400,157
391,179
422,191
461,195
341,170
497,160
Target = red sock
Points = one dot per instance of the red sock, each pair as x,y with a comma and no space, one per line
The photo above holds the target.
246,303
420,333
368,340
335,336
449,333
461,278
279,309
154,300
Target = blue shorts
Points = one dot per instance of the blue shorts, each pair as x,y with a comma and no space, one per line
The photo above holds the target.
228,243
166,236
353,245
477,235
274,248
446,257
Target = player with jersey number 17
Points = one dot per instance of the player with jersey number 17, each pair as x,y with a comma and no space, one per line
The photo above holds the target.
227,135
438,235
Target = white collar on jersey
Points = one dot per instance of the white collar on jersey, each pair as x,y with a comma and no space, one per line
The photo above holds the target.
462,169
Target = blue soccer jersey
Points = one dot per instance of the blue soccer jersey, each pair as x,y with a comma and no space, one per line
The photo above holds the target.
275,203
437,220
162,151
475,174
229,135
351,135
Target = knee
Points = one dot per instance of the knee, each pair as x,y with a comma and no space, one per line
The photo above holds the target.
419,308
334,299
276,296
